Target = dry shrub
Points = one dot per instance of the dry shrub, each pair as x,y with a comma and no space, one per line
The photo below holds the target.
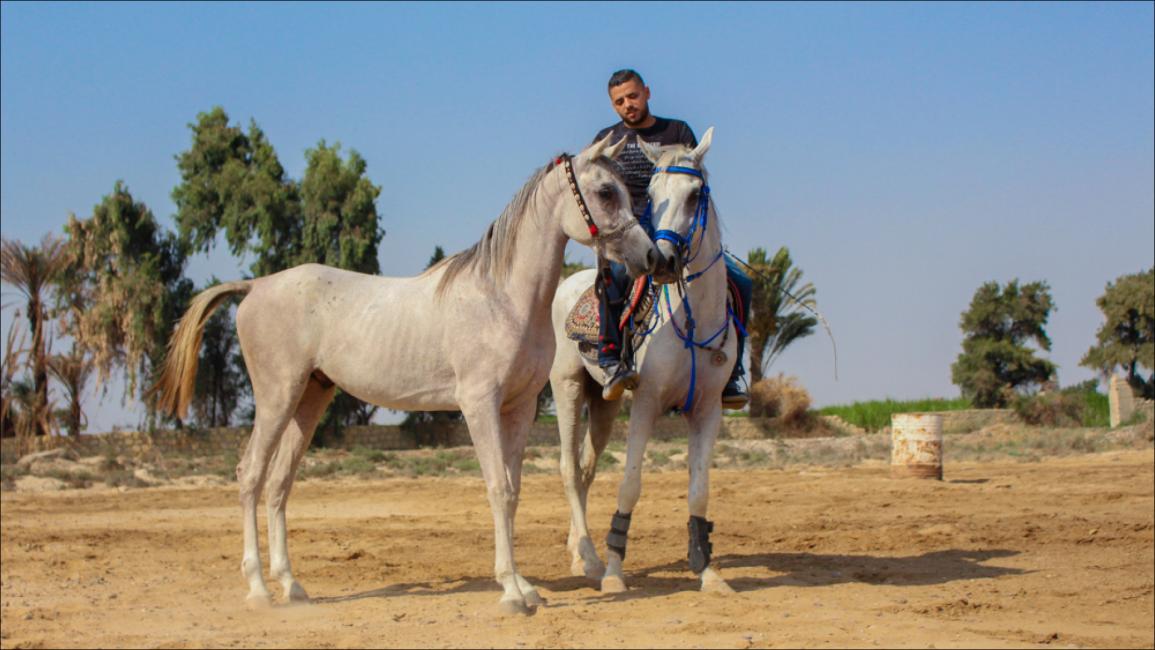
780,397
1051,409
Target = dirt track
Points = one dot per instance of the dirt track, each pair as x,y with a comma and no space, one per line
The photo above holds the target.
1057,553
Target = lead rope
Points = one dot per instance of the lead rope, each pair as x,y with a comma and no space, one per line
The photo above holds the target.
798,302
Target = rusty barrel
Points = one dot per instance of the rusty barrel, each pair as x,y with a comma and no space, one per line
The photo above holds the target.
916,445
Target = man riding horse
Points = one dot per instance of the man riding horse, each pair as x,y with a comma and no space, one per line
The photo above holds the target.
630,97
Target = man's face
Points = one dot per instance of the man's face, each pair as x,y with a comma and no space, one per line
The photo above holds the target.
631,102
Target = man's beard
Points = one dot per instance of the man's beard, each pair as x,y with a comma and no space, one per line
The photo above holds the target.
642,117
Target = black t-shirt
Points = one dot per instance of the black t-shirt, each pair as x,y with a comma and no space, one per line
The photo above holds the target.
635,168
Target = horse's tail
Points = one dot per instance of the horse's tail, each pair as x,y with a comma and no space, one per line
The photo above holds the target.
174,389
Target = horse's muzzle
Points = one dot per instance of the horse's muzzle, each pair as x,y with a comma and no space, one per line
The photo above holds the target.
666,269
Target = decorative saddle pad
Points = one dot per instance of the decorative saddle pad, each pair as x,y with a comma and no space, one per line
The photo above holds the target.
582,325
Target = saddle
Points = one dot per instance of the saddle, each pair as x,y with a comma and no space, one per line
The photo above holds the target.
582,324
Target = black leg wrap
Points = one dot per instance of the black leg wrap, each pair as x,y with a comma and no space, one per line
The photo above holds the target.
700,546
619,530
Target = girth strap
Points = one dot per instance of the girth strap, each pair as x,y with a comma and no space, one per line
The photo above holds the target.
619,530
322,379
700,546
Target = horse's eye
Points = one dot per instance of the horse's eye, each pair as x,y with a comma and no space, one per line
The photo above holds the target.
693,198
605,192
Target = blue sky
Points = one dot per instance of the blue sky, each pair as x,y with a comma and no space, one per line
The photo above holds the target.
906,153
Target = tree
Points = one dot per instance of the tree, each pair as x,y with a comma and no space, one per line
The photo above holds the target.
996,361
127,287
32,270
233,182
340,226
777,318
13,350
1127,339
73,371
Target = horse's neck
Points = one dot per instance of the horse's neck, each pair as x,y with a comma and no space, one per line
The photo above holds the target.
540,250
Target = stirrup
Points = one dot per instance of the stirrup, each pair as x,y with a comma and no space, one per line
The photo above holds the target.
624,378
733,397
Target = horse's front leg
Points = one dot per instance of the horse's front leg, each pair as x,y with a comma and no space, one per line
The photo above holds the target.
500,446
642,415
704,424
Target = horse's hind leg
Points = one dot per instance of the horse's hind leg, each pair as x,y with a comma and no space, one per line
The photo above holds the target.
275,405
569,397
601,426
282,471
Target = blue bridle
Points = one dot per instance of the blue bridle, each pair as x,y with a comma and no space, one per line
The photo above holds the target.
681,243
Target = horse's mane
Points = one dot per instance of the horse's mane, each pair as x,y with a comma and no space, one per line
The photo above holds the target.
492,255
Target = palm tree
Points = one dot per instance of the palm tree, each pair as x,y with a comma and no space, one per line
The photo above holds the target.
776,311
13,350
73,371
32,270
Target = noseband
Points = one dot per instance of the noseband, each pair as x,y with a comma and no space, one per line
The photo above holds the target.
682,244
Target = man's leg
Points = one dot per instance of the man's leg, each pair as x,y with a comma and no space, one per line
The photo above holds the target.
733,396
613,289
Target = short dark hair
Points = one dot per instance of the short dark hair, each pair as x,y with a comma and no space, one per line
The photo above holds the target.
622,76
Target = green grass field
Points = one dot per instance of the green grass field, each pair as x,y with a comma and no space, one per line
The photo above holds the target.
875,415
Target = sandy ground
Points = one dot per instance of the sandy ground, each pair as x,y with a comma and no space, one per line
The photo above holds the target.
1057,553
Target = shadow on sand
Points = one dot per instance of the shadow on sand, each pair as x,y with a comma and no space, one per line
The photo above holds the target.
793,569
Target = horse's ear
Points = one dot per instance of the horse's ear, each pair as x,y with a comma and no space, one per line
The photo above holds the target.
651,151
699,152
594,150
612,152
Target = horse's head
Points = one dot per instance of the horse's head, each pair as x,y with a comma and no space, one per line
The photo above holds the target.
678,199
614,228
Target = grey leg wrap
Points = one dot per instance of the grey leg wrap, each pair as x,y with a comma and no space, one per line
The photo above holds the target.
700,546
619,530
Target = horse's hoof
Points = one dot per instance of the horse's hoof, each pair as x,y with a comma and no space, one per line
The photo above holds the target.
534,599
613,585
297,595
592,569
713,583
258,601
515,607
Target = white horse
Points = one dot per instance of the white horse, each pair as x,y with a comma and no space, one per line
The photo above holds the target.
667,369
470,334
